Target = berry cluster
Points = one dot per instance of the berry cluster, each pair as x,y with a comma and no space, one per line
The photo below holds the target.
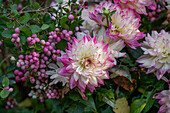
15,37
53,92
32,40
10,103
156,13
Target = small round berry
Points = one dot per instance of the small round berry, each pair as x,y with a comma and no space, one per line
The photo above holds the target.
76,28
17,30
14,35
10,89
71,17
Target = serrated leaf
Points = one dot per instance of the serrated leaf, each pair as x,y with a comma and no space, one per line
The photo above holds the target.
35,28
7,33
5,82
24,19
137,106
44,26
4,93
27,31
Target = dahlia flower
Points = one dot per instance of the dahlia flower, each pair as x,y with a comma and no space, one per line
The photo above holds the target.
54,72
98,9
125,26
137,5
164,97
156,53
86,63
114,46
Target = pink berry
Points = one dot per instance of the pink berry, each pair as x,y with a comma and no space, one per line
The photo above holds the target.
57,29
16,72
34,36
17,30
29,39
21,56
47,43
70,32
71,17
64,31
37,39
6,88
76,28
10,89
45,49
50,37
15,36
50,48
42,42
17,79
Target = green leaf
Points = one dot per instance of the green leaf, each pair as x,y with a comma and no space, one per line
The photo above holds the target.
137,106
24,19
103,8
27,31
103,18
5,82
7,33
10,24
23,40
59,1
4,93
47,18
13,7
107,110
113,12
35,28
100,14
62,44
8,43
63,20
44,26
149,101
79,11
90,104
37,5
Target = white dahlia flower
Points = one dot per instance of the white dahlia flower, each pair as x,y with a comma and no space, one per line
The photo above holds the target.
137,5
54,74
125,26
86,62
164,101
156,53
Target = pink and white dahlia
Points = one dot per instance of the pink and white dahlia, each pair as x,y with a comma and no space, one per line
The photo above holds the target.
86,63
98,9
137,5
164,101
54,74
156,53
125,26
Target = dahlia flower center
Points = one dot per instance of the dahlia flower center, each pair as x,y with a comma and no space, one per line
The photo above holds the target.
85,62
